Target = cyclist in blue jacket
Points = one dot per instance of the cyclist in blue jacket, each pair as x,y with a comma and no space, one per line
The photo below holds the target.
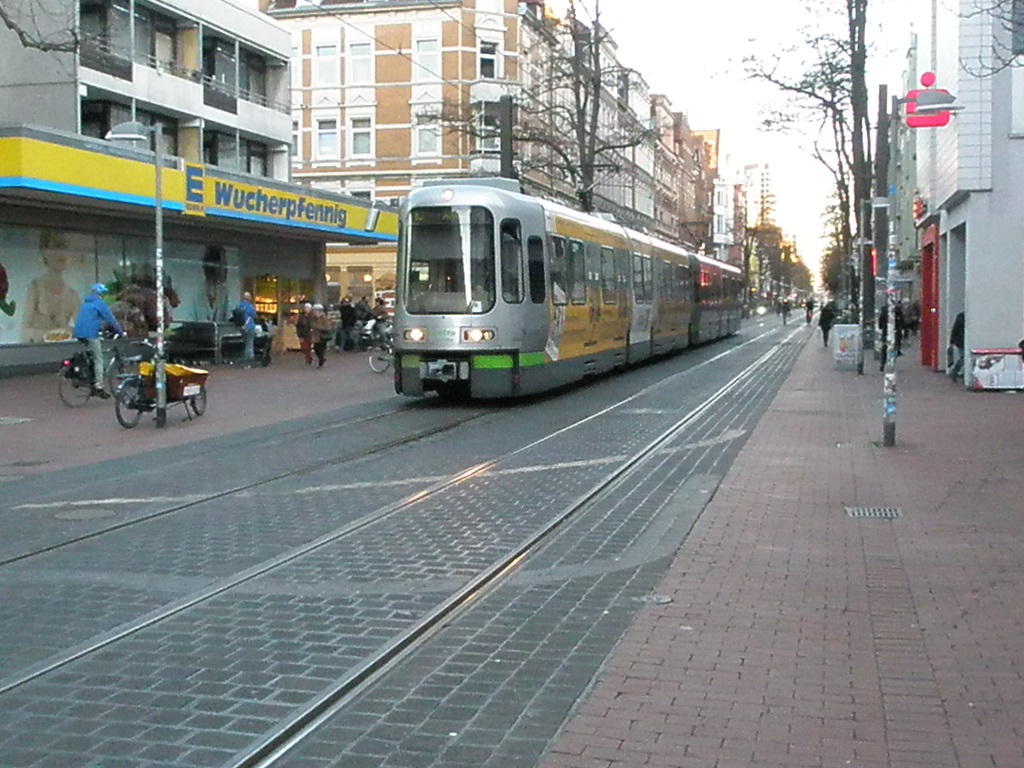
93,315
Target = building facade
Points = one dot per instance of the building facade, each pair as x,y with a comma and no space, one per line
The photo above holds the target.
970,175
210,80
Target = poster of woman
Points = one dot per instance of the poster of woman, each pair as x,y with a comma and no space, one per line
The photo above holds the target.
51,303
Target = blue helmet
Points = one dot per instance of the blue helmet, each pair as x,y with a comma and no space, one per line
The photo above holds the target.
99,288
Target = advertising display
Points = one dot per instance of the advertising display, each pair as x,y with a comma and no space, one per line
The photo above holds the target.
45,274
846,346
997,369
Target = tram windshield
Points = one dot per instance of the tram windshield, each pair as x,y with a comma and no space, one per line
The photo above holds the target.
450,252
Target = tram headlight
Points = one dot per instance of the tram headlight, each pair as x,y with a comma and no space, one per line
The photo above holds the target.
414,334
475,335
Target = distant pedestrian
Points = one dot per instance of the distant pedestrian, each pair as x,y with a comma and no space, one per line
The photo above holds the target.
955,351
785,311
248,315
302,331
826,319
809,306
346,326
320,332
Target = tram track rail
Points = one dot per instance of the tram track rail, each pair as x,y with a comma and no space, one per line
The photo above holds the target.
294,730
313,466
406,641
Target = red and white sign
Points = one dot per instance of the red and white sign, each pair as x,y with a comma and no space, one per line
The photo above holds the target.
932,119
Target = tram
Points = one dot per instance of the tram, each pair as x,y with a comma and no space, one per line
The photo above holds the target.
500,294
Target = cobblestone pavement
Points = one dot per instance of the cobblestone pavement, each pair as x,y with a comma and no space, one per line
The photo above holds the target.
199,687
793,634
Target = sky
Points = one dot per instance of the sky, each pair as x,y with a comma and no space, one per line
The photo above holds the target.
692,51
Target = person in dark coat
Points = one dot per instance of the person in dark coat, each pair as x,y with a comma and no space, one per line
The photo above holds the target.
955,353
346,326
826,319
304,333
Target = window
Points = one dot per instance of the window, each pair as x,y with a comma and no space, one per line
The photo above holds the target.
428,140
426,61
296,140
488,61
608,287
559,262
360,63
326,65
1017,27
361,194
451,260
219,63
488,138
252,77
511,261
577,272
326,139
296,66
256,158
639,292
535,259
361,137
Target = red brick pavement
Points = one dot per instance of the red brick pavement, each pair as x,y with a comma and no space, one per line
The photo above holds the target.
799,636
55,436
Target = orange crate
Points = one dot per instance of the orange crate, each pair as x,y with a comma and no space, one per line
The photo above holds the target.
181,380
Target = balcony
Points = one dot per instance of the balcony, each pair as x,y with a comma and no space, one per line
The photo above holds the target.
101,54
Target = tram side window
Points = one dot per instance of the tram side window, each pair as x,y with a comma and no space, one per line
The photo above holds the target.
648,279
511,261
638,277
622,271
535,261
608,287
559,262
577,273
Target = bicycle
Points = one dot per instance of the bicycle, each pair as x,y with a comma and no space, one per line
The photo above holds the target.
136,392
75,383
382,352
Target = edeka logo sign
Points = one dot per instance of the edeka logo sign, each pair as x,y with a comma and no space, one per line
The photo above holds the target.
195,204
257,202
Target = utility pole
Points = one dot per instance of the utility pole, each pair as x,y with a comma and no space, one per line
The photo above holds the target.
508,170
880,226
889,387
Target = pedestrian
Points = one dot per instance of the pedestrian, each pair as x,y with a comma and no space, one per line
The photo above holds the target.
826,319
785,311
809,305
346,326
247,312
320,332
92,316
302,330
955,351
363,313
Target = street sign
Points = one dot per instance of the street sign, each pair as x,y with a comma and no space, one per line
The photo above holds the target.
928,107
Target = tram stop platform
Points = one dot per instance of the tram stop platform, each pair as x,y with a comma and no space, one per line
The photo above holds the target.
837,603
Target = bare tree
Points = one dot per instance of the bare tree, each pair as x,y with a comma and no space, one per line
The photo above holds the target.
1006,49
560,115
42,25
831,89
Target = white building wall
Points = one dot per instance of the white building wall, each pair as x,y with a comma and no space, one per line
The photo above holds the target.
976,173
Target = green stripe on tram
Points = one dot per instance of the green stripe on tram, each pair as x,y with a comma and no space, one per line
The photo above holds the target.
507,362
492,362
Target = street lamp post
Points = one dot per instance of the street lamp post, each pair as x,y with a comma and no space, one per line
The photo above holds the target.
133,133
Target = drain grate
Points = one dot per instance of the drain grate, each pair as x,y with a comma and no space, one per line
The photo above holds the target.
877,513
